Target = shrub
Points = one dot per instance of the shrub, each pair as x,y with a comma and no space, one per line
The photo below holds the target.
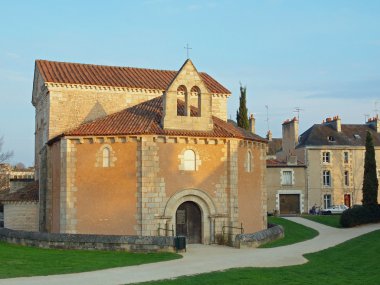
359,215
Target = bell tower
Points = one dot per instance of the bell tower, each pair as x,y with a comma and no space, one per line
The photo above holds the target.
189,87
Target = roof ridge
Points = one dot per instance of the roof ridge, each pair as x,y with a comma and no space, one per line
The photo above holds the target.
112,66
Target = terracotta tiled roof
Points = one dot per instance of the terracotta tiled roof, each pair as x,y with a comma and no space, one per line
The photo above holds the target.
115,76
28,193
145,118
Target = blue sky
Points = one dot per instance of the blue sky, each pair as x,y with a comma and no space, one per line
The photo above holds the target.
322,56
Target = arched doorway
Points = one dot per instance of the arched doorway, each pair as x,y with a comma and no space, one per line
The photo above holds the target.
189,222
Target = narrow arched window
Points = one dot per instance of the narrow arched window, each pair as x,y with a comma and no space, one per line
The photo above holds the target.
249,161
189,160
196,92
182,110
106,157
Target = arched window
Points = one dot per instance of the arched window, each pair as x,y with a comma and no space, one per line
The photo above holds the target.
189,160
182,91
195,91
106,157
249,161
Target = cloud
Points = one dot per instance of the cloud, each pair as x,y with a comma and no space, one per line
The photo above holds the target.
358,90
12,55
194,7
13,76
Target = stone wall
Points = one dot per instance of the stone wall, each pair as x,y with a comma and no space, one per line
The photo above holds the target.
259,238
88,242
21,216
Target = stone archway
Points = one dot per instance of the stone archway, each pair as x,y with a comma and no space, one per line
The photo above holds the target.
202,200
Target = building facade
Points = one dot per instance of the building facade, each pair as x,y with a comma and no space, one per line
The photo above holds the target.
334,154
143,152
286,187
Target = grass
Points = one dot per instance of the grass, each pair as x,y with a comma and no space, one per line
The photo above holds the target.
353,262
328,220
293,232
17,261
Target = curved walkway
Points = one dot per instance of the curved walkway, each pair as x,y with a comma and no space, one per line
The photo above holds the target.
202,259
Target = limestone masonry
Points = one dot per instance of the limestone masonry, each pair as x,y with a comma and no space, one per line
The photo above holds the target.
130,151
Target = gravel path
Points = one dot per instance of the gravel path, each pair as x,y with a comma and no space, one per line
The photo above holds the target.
205,258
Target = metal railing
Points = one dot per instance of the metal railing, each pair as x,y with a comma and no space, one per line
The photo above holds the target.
231,227
165,229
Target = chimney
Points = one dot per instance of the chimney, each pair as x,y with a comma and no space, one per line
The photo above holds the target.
335,123
289,136
252,124
374,123
269,136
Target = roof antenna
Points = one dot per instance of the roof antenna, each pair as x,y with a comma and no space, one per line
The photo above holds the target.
298,110
266,106
376,110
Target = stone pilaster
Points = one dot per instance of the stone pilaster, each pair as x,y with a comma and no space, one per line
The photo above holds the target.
68,220
152,187
263,185
233,206
43,185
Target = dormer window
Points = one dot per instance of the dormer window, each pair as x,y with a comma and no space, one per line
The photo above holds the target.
331,139
356,136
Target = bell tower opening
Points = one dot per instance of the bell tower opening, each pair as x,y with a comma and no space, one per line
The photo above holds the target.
187,86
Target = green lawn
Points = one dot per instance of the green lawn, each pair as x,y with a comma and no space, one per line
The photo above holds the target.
293,232
16,261
328,220
353,262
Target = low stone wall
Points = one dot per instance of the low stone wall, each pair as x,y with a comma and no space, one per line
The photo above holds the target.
89,242
259,238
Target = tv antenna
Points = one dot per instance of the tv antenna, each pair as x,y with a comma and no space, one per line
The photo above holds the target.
376,110
298,111
266,106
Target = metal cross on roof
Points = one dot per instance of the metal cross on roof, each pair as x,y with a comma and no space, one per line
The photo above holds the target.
187,50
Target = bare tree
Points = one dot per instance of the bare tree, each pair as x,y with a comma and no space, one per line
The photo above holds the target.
4,156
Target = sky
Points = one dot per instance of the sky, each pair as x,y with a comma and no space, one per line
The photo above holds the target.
321,56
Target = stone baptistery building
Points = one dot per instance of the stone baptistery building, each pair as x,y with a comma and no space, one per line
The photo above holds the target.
132,151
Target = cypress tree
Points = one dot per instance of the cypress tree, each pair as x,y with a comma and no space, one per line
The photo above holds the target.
242,113
370,183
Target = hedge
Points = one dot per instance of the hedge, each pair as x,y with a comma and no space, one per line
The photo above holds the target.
359,215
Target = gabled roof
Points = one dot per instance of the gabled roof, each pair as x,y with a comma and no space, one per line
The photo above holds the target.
145,119
116,76
29,193
350,135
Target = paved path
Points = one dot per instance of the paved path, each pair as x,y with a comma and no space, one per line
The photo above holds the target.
202,258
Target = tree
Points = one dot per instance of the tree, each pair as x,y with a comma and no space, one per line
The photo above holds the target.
20,166
4,156
242,113
370,182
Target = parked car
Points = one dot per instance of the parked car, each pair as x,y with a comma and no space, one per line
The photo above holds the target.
334,209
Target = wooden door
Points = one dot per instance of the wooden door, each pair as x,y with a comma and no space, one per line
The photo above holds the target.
289,204
189,222
347,200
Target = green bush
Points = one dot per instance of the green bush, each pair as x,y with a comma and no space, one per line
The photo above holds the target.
359,215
